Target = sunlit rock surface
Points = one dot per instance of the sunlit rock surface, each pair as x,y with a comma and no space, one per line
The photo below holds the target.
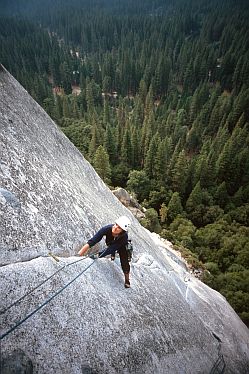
52,199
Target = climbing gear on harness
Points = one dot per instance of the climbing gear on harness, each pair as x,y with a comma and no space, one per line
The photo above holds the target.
129,249
94,256
123,222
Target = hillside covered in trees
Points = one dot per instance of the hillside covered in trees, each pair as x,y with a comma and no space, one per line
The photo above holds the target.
155,94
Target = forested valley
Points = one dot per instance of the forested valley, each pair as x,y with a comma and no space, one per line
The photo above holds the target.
155,94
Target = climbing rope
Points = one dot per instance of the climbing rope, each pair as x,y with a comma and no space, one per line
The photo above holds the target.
219,365
49,299
40,284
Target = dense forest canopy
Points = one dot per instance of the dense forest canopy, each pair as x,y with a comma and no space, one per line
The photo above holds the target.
155,94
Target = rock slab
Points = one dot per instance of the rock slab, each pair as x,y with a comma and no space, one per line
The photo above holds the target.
52,199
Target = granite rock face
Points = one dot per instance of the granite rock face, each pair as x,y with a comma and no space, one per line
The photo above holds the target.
52,199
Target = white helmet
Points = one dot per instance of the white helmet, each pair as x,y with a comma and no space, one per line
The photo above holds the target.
123,222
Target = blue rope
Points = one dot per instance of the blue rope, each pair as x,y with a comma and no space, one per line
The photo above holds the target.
39,285
219,365
45,302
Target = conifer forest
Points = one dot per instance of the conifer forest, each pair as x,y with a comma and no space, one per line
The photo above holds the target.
155,95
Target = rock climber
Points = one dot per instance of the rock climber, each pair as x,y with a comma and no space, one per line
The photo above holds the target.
116,238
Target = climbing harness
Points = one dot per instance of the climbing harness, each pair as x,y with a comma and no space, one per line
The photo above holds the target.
129,249
49,299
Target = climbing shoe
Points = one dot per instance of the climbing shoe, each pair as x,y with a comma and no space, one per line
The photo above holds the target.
127,284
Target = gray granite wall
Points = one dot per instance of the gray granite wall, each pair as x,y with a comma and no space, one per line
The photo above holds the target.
52,199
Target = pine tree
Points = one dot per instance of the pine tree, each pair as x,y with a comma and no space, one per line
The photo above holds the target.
194,107
174,207
89,96
237,75
53,69
179,174
58,108
147,133
195,198
66,77
228,164
139,183
65,107
218,144
142,90
149,103
221,196
150,159
204,171
48,105
180,129
97,135
136,159
172,163
75,108
109,143
106,84
241,106
101,164
126,148
137,115
163,156
106,112
215,118
197,206
193,138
